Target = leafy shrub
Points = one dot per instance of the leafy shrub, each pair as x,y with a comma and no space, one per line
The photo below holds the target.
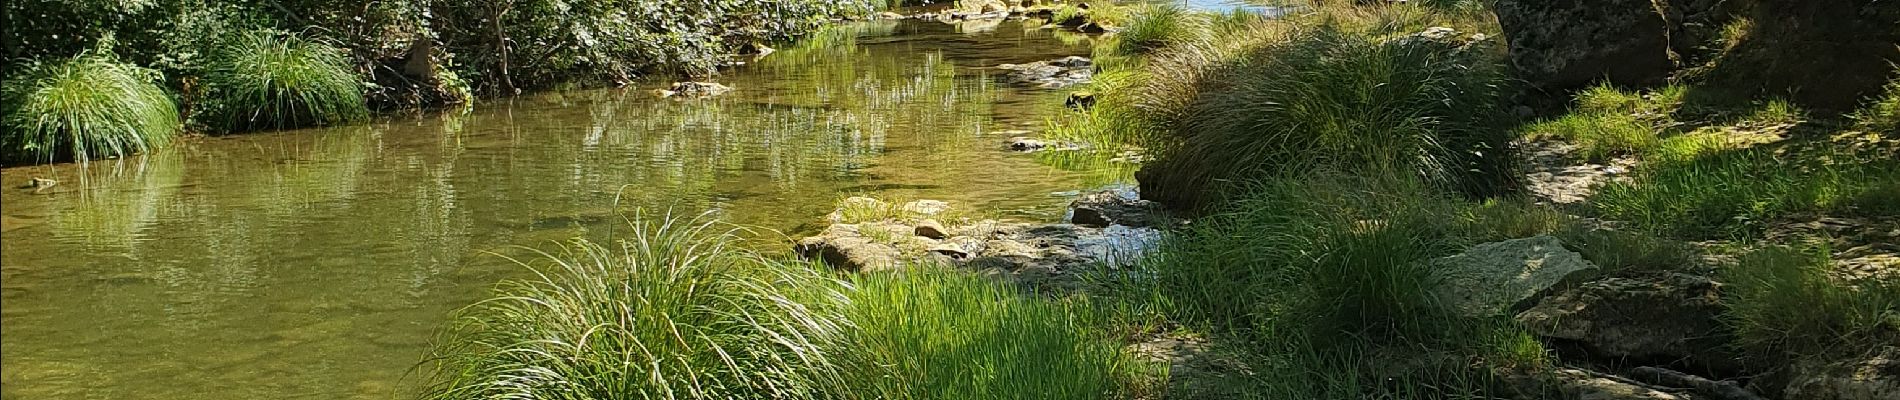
86,107
678,311
938,334
265,79
1301,97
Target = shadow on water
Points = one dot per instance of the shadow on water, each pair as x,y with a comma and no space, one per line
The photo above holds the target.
319,263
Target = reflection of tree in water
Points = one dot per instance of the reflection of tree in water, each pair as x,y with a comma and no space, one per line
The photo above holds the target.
309,170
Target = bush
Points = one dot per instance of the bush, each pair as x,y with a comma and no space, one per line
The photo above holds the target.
265,79
1303,97
937,334
1784,305
90,106
1735,193
679,311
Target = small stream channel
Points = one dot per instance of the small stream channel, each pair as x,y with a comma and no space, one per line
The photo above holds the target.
319,264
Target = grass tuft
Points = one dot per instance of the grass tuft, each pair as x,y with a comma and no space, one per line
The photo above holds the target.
1784,305
931,333
86,107
678,311
1153,27
1733,194
1882,113
265,79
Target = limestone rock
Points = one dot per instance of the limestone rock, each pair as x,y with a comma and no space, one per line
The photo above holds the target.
1569,44
931,229
1662,318
847,247
1873,377
1494,278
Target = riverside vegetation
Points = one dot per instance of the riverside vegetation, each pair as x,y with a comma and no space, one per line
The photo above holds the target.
1329,157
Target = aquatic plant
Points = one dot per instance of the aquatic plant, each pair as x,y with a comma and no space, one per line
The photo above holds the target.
265,79
674,311
86,107
934,333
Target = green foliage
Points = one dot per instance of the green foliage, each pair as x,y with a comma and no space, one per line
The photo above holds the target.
1882,113
1784,305
938,334
1609,122
269,80
1734,193
678,311
1153,27
1324,96
86,107
1621,252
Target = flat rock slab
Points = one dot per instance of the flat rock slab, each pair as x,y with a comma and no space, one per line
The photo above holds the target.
1492,279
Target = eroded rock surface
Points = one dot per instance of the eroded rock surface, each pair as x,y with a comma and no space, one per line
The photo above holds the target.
1875,376
1661,318
1567,44
1494,278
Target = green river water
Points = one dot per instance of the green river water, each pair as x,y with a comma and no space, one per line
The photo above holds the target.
319,264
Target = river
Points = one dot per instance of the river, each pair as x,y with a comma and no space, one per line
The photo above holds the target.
320,263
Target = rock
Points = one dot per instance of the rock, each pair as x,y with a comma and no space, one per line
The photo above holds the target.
37,183
1874,376
1026,144
1060,73
889,15
957,248
931,229
1104,208
694,90
926,207
846,247
1091,27
1080,101
1661,318
1569,44
1576,384
1494,278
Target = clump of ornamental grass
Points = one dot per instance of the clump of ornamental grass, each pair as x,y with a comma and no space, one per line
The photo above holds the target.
931,333
86,107
1324,281
1301,97
1784,305
265,79
676,311
1153,27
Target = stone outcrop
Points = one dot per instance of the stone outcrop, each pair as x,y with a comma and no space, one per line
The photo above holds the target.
1568,44
1577,384
1665,318
1040,255
1059,73
1875,376
1495,278
1105,208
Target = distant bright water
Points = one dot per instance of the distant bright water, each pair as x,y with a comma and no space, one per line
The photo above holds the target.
318,264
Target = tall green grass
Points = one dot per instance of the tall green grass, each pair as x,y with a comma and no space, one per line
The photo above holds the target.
1784,305
1608,122
1328,93
1736,193
265,79
941,334
677,312
1155,26
1882,113
86,107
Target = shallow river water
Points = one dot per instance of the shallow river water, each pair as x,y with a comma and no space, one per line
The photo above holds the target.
320,263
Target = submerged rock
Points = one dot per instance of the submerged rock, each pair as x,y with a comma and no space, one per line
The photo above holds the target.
1494,278
1026,144
1661,318
693,90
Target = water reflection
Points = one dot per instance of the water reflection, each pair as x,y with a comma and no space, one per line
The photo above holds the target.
318,263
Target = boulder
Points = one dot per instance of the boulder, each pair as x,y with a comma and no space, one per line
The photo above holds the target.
846,247
1104,208
1495,278
1661,318
1059,73
926,207
1091,27
694,90
1569,44
931,229
1875,376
